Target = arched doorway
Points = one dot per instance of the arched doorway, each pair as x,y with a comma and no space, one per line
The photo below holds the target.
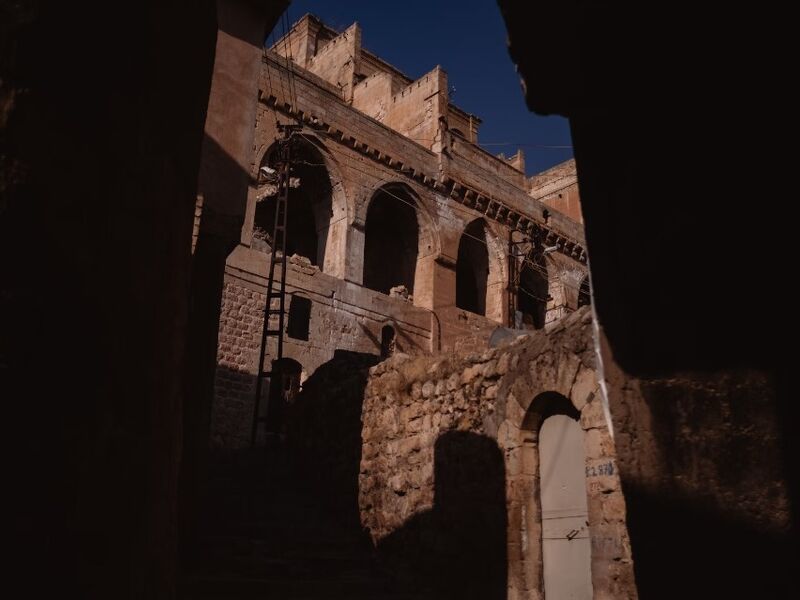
310,203
391,240
555,492
472,268
566,550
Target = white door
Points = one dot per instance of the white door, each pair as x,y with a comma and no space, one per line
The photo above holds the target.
565,533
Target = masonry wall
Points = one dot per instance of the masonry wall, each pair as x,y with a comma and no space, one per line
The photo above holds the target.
360,156
703,465
411,404
558,187
344,317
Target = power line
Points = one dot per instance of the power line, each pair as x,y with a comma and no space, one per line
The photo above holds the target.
527,261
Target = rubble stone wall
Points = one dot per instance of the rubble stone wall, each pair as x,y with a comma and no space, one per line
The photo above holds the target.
411,403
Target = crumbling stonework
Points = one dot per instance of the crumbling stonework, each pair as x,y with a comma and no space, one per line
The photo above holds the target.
499,395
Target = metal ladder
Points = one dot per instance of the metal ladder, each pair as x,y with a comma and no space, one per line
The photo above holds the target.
278,254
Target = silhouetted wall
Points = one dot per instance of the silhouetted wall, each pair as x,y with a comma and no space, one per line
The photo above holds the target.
324,430
101,123
457,549
669,143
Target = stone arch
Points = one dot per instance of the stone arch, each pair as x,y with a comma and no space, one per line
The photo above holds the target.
398,233
563,504
564,384
317,201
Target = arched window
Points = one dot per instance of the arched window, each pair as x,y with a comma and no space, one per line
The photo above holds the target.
472,268
387,341
391,240
309,207
585,293
299,318
532,294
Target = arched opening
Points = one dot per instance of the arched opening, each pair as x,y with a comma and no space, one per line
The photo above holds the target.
532,294
299,318
284,385
472,268
309,208
584,293
388,341
391,240
566,550
554,440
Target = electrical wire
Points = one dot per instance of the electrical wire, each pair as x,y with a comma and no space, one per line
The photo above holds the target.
528,260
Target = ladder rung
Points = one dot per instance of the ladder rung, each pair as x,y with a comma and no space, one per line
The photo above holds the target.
265,374
273,332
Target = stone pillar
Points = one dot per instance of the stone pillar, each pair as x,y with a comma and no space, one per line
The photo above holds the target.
336,261
435,283
354,252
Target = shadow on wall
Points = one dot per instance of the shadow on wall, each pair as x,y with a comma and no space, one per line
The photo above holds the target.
458,548
718,511
693,551
324,429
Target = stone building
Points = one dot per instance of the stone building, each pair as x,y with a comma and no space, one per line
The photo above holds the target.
400,226
703,401
405,237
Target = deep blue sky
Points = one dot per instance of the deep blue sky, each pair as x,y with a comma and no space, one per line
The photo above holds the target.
468,39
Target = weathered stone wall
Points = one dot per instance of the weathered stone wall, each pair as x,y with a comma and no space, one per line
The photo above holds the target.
413,402
343,317
703,451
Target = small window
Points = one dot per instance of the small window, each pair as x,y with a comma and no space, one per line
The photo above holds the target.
299,318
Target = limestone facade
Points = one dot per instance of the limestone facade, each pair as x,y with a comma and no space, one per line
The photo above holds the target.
399,223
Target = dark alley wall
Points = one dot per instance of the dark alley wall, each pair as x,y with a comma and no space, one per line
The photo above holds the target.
101,122
669,143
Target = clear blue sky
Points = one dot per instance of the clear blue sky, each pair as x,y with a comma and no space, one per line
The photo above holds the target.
468,39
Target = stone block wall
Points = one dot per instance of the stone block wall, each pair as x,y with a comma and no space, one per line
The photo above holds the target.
344,317
412,405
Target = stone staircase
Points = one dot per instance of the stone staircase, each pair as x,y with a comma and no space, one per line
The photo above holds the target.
268,536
